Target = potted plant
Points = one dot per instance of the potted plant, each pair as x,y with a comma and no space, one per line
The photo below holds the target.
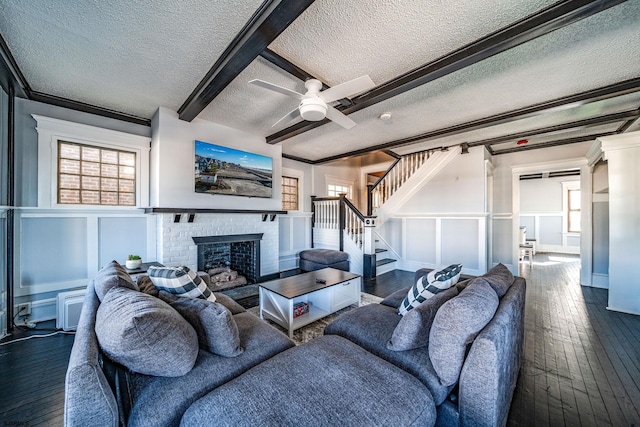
133,262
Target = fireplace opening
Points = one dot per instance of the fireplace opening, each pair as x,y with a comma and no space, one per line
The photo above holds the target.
230,260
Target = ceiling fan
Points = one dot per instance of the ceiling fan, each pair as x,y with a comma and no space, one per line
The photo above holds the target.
314,105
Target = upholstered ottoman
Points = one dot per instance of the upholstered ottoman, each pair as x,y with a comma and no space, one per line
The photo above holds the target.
316,259
326,382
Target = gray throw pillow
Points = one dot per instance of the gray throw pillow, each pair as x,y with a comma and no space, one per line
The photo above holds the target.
145,334
456,325
413,329
500,279
217,330
111,276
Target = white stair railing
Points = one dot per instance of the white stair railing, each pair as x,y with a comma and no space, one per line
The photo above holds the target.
399,172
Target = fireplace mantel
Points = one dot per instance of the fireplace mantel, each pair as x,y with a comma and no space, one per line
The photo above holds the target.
227,238
214,211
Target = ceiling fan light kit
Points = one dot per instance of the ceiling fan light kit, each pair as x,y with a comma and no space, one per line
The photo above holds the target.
313,109
314,104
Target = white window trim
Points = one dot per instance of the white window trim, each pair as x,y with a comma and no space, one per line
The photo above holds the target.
50,131
294,173
343,182
566,186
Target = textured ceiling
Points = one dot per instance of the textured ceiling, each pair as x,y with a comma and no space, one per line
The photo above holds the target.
341,40
577,112
135,56
591,53
128,56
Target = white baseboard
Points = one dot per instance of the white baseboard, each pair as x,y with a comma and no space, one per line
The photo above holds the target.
41,311
558,249
622,311
289,262
600,281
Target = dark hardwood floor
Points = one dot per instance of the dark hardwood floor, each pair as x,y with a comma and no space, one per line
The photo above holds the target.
32,378
581,362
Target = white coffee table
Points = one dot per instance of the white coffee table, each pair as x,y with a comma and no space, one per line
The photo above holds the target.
277,297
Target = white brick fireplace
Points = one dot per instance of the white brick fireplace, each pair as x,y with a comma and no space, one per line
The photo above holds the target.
176,246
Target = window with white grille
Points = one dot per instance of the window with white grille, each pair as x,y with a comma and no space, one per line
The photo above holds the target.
90,175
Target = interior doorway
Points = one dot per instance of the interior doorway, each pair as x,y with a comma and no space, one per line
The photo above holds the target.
550,215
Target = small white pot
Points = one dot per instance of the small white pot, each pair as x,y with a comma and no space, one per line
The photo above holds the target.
132,264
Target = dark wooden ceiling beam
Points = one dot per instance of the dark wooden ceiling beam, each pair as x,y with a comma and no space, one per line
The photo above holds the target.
87,108
555,143
607,92
289,67
593,121
269,21
547,20
296,71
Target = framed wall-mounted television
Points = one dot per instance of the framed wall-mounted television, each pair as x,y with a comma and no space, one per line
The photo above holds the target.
224,170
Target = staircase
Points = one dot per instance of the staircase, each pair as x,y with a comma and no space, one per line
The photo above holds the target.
338,224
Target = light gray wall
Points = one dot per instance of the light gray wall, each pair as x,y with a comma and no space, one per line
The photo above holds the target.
458,188
4,173
543,198
601,238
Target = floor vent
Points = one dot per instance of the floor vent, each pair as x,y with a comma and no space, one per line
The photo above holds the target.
69,308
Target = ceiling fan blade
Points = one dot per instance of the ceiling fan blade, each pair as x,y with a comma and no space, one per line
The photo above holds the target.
347,89
294,114
276,88
339,118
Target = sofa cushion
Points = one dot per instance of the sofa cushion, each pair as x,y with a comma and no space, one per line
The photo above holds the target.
413,329
229,303
500,279
371,327
323,256
181,281
456,325
214,324
395,299
110,276
326,382
146,286
428,285
161,401
145,334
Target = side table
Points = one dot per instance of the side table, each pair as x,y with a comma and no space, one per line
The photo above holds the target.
142,270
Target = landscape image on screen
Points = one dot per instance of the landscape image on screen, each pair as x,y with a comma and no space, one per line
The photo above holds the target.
224,170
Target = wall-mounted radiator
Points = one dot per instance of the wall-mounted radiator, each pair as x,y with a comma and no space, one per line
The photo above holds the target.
69,308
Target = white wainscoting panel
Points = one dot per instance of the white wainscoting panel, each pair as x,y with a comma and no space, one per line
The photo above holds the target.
295,236
548,230
503,241
433,241
59,250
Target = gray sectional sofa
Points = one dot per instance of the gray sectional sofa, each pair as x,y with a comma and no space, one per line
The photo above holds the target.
480,391
347,377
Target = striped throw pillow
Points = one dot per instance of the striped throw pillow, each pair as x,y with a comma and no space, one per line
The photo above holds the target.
181,281
429,285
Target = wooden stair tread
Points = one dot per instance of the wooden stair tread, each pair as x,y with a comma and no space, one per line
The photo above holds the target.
384,261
